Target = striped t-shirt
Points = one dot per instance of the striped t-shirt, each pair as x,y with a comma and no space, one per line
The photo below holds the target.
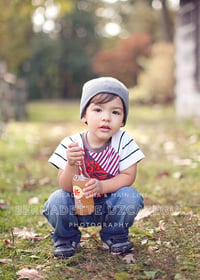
120,153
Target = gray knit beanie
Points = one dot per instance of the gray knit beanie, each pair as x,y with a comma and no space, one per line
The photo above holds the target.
101,85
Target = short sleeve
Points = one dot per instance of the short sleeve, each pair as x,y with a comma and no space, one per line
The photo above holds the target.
128,150
59,156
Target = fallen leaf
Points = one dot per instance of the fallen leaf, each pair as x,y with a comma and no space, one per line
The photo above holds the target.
129,258
29,184
44,181
34,257
150,250
176,213
21,165
8,244
169,146
3,204
162,174
33,200
144,241
29,273
24,233
177,175
145,212
28,234
161,225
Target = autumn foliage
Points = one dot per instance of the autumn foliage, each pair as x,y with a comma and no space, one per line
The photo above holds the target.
122,61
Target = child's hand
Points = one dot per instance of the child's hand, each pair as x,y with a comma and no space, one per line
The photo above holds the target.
93,188
74,153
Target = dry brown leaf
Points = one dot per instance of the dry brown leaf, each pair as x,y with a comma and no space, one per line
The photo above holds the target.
28,234
44,181
169,146
161,225
144,241
129,258
150,250
29,184
145,212
3,204
21,165
177,175
162,174
25,233
33,200
8,244
29,273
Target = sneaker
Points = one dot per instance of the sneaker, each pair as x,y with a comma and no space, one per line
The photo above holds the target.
66,249
118,245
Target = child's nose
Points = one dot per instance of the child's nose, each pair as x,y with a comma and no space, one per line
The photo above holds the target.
106,116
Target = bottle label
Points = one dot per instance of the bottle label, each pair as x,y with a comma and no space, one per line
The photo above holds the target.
78,193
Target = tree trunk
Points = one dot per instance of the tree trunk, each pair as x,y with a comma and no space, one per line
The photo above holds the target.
166,23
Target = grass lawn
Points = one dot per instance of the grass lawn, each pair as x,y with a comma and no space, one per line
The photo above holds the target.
166,241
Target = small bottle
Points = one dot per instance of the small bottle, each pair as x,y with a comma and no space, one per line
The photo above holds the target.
83,205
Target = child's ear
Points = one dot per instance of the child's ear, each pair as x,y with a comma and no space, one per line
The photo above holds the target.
84,119
122,124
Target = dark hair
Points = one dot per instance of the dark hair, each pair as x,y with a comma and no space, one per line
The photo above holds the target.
102,98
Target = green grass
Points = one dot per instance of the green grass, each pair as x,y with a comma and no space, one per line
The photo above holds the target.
55,111
166,243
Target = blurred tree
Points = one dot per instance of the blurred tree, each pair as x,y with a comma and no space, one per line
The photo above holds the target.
58,61
138,16
141,17
61,60
15,32
156,81
122,62
43,74
167,22
135,18
79,42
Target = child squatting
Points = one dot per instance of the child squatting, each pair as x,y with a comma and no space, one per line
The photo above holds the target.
111,157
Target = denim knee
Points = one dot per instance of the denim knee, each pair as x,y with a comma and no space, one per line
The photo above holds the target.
133,200
59,203
126,200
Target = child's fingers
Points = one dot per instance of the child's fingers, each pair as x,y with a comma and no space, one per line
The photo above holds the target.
73,144
74,147
91,184
90,189
74,150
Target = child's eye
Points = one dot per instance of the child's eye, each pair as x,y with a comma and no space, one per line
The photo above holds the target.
97,110
116,112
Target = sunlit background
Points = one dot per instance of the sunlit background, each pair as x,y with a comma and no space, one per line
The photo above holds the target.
44,17
49,48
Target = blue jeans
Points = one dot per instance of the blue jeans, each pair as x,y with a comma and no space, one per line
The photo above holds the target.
114,212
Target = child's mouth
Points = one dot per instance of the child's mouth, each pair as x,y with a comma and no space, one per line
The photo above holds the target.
105,128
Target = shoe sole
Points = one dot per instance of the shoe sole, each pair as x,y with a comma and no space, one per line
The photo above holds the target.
67,254
126,251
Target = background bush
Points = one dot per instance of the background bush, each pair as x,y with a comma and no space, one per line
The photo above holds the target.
156,81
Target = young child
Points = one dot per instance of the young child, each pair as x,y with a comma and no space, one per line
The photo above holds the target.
111,158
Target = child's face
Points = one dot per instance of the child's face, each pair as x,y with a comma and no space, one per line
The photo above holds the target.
103,120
